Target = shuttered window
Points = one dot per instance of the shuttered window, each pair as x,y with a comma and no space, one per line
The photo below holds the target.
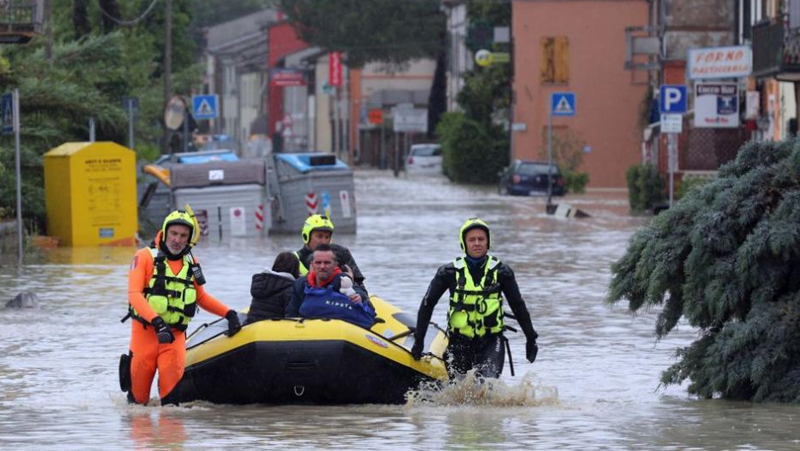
555,60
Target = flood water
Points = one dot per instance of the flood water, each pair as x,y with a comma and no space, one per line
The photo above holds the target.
595,384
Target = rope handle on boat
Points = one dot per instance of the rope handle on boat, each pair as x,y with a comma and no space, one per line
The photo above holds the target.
196,331
408,332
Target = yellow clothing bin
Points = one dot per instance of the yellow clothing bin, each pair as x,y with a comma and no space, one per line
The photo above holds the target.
90,194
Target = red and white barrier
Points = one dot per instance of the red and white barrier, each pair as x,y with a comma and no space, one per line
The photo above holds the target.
260,217
312,203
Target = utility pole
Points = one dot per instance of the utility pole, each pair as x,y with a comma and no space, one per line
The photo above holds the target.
167,67
511,85
48,29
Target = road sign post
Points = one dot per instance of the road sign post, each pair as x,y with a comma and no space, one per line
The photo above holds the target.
131,105
672,104
14,109
561,104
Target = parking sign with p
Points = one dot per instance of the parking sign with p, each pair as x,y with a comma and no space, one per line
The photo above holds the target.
672,99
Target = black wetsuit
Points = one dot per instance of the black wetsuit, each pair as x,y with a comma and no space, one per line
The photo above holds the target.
485,353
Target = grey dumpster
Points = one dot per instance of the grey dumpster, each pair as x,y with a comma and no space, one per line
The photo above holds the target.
155,198
227,196
301,184
226,211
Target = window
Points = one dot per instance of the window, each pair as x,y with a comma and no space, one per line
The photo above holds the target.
534,169
422,150
555,66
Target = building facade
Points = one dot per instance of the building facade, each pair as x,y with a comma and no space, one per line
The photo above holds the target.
579,47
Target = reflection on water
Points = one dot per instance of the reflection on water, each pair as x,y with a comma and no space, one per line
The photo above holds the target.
155,430
596,377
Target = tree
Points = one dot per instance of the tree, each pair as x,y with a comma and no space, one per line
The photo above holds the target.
80,19
437,101
472,152
726,258
110,12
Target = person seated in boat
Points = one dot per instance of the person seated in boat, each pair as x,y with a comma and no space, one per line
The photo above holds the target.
318,229
327,292
272,290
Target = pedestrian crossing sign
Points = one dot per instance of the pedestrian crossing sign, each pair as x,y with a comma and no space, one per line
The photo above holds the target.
205,106
562,104
7,110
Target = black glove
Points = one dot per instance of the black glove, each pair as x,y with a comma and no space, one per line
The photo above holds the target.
416,350
163,331
234,326
531,349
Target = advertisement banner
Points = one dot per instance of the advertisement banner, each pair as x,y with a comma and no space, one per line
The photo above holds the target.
716,105
335,69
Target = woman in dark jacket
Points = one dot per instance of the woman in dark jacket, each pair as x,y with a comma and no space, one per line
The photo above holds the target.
272,289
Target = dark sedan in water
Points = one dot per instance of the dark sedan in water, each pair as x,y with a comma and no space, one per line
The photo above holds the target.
529,178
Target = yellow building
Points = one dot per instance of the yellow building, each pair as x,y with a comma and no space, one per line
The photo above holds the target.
90,194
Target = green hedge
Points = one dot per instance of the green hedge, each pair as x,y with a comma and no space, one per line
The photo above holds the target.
472,152
645,187
575,181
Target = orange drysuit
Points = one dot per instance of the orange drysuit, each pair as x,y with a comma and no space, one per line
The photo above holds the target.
147,354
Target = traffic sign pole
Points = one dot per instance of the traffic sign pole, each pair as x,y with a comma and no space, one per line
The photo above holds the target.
550,153
130,124
15,108
671,163
672,101
561,104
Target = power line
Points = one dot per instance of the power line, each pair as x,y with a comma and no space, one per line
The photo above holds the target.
128,23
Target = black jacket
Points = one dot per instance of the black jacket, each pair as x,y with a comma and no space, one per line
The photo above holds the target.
293,310
445,280
271,292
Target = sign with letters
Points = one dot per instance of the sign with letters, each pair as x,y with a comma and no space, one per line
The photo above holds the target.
716,105
719,62
672,99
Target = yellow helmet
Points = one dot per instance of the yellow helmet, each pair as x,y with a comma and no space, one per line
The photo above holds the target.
473,223
315,222
183,218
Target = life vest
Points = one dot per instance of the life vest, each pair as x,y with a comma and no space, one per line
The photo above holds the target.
303,269
325,303
172,296
476,309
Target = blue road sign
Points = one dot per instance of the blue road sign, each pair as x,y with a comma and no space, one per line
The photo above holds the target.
7,110
205,106
672,99
562,104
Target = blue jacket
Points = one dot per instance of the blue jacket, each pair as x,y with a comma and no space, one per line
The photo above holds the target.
328,302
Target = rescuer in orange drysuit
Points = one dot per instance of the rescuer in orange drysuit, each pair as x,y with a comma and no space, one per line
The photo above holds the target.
165,285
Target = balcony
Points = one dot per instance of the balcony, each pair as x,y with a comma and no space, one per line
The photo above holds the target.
20,20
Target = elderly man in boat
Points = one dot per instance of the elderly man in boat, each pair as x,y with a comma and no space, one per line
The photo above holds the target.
327,292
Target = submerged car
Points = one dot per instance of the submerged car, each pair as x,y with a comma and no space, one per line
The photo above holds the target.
529,178
424,159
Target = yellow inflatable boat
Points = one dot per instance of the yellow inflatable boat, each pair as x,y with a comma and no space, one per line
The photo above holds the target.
311,361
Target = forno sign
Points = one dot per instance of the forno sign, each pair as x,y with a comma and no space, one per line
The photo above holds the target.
719,62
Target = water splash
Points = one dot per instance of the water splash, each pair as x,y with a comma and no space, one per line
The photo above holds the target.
479,391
